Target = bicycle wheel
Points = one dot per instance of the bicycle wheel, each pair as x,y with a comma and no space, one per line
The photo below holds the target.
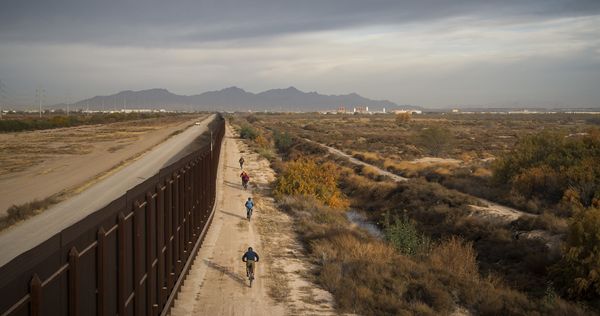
249,213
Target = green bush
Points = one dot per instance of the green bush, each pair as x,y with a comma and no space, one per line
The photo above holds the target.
403,235
283,141
548,166
247,132
579,270
436,140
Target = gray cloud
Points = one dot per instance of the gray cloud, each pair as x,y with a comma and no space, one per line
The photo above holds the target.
158,23
424,52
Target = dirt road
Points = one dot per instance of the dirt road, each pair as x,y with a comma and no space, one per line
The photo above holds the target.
65,159
217,283
487,210
29,233
355,161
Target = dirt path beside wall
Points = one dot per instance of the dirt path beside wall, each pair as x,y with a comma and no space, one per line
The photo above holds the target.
217,283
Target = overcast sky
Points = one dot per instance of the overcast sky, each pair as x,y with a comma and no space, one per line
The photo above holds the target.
421,52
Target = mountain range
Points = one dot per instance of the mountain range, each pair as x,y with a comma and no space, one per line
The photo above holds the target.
231,99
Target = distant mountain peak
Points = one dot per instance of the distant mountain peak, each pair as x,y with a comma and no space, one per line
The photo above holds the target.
234,98
233,88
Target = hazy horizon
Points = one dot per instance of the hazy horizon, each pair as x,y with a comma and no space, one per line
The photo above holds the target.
425,53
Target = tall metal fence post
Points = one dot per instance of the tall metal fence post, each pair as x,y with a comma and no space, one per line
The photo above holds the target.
73,282
35,289
100,272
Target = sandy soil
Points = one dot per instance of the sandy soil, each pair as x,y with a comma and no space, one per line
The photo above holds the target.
39,164
217,284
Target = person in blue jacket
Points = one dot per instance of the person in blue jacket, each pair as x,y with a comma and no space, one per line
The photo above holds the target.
249,258
249,205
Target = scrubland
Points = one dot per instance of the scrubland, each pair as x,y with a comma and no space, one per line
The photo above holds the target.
436,257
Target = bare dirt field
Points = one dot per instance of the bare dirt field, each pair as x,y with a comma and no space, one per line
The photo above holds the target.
39,164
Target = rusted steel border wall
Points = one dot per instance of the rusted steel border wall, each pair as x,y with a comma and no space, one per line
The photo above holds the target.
128,258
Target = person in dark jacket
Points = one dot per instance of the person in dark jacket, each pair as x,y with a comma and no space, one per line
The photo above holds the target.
245,178
249,258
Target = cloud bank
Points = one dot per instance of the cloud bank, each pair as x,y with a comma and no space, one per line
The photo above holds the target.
426,53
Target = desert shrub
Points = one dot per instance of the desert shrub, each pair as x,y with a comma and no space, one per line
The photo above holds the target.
548,165
262,141
593,120
403,235
545,221
579,270
368,157
369,277
251,119
21,212
266,153
248,132
403,118
455,256
435,140
306,177
283,141
540,181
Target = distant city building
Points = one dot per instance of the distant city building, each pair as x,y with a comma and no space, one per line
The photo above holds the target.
408,111
361,109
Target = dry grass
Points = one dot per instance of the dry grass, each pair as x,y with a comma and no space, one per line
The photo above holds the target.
23,150
17,213
369,157
457,257
367,276
279,287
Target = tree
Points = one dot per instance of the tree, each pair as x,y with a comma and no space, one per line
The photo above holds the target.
306,177
283,141
579,270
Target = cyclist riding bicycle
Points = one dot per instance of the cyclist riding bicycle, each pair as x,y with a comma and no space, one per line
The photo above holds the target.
249,258
249,205
245,178
241,162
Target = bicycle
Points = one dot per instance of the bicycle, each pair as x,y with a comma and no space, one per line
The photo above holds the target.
245,184
249,206
250,258
250,272
248,213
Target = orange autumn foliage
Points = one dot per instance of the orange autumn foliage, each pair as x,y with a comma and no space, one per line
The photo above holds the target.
305,177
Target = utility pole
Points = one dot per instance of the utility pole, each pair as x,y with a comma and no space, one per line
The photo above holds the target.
68,102
40,94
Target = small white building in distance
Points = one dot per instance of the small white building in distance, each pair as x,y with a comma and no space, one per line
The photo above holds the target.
408,111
